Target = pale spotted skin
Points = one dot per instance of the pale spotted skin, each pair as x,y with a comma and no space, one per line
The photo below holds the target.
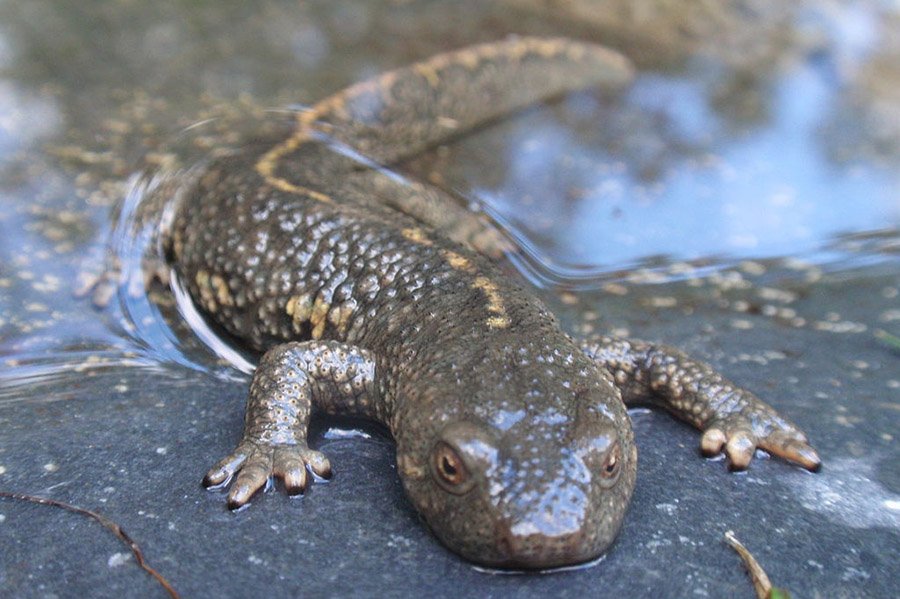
288,376
373,297
730,417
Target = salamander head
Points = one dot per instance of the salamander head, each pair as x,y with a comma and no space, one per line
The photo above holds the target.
534,487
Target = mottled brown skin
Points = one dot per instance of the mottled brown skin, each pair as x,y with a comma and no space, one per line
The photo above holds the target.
371,296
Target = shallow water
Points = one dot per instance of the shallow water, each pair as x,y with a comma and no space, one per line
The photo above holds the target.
740,200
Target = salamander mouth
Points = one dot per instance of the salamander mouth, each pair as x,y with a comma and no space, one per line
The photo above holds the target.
522,546
564,566
541,555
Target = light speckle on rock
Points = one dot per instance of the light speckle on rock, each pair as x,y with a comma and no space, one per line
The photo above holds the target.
615,289
398,541
668,508
776,295
889,316
752,268
840,326
855,574
663,302
740,306
847,494
118,559
657,542
568,298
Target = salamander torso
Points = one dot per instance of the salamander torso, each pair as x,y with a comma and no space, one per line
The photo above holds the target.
373,297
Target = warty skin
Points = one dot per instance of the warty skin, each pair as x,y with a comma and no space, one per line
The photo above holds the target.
371,296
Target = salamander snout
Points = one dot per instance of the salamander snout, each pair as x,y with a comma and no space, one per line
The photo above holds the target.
543,542
530,499
559,507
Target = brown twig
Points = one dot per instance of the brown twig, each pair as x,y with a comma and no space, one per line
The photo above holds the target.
761,583
760,580
106,522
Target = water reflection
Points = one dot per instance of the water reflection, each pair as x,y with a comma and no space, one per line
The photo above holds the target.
724,149
26,117
670,173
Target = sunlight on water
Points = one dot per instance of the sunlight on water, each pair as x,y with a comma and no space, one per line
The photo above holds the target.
590,189
769,192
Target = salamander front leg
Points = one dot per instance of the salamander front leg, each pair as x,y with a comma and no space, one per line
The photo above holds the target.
730,417
289,380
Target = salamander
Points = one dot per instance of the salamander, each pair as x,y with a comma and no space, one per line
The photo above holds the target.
372,296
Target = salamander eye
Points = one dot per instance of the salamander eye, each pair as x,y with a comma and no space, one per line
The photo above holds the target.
449,469
612,463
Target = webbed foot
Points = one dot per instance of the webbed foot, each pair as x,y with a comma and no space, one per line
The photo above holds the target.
255,463
731,418
741,434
